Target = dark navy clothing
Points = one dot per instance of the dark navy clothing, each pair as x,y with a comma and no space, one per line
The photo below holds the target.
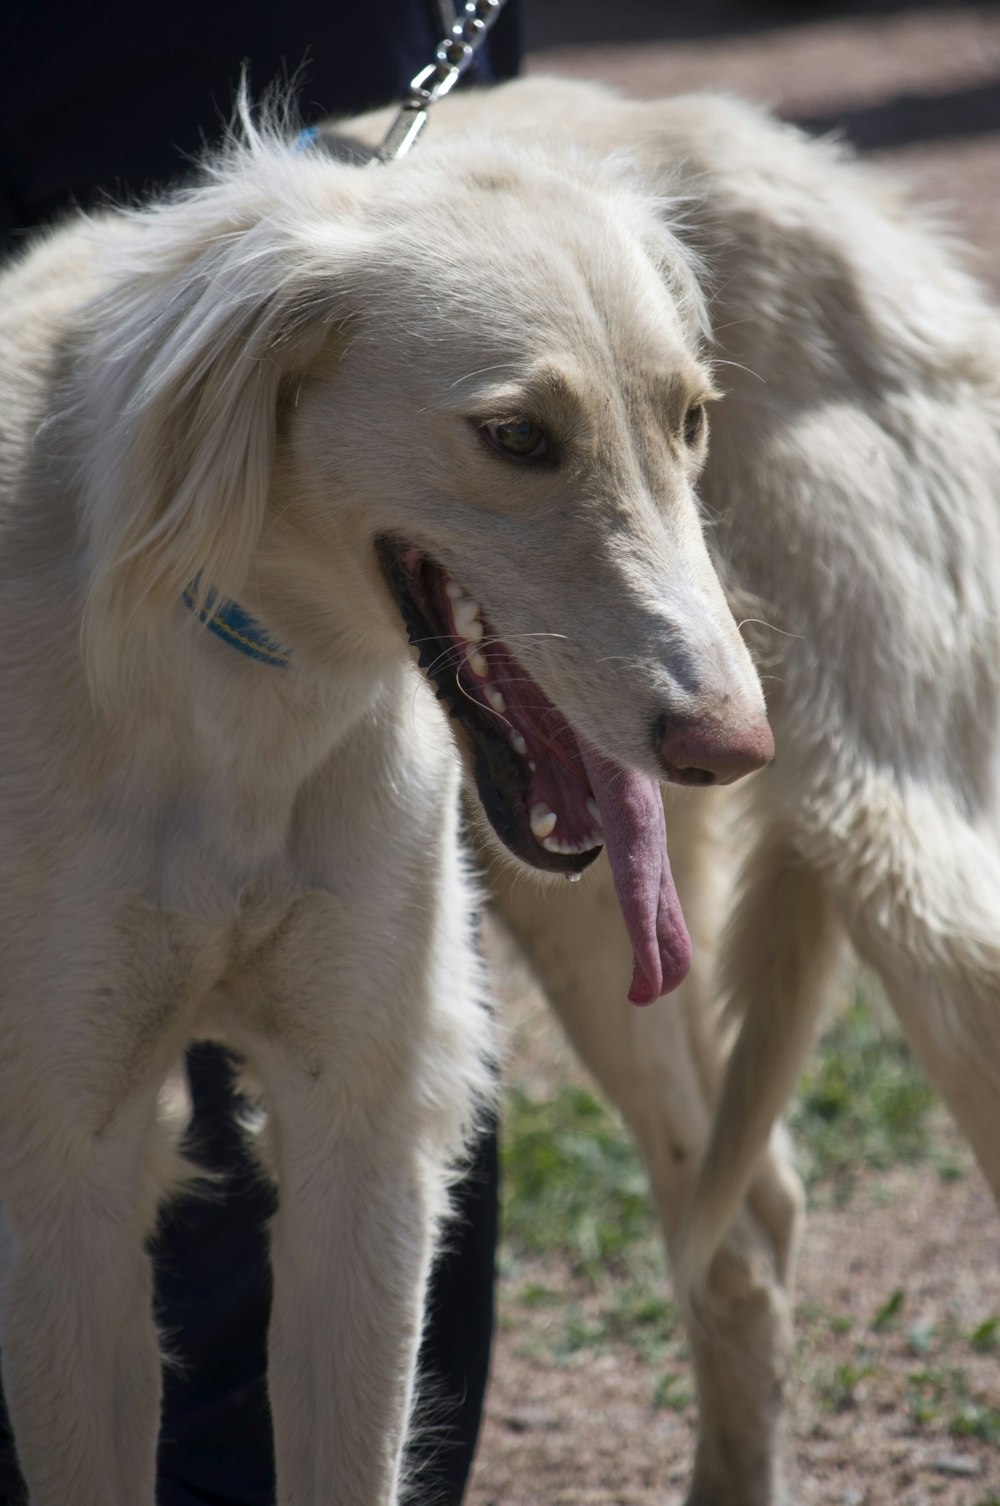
106,94
105,97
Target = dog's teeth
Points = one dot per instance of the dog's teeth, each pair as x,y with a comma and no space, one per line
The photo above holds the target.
495,699
595,811
477,662
543,823
563,848
518,744
467,623
569,849
465,612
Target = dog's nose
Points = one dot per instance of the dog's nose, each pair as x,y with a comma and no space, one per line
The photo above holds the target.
705,752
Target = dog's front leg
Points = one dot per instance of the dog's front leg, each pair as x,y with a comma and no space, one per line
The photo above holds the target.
81,1362
366,1082
350,1250
92,1017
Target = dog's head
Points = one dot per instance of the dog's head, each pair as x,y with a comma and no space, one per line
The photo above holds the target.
460,400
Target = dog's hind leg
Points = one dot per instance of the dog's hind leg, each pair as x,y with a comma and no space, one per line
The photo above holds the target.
660,1066
919,887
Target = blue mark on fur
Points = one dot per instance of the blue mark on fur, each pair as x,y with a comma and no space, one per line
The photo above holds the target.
234,626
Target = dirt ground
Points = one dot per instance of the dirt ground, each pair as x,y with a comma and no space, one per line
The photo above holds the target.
897,1386
893,1401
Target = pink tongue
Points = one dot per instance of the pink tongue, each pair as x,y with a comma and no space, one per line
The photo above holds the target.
635,835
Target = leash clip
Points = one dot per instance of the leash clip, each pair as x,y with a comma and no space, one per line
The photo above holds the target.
453,56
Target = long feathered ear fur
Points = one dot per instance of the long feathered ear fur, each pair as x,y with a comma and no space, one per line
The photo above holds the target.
213,300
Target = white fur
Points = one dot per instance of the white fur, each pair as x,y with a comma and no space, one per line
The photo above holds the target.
247,383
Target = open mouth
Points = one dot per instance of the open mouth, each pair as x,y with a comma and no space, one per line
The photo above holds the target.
551,798
528,766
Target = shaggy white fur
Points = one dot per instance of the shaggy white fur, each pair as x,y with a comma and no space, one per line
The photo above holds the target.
311,389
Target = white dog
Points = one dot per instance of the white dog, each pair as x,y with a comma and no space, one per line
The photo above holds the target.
461,400
321,410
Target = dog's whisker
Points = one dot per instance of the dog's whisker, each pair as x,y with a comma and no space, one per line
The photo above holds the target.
738,366
483,371
770,626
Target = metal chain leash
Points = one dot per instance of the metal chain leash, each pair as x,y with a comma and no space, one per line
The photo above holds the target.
451,59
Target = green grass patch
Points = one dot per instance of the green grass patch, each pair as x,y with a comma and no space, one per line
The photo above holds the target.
574,1186
572,1182
985,1337
938,1394
672,1393
973,1420
862,1103
628,1317
889,1312
838,1386
927,1392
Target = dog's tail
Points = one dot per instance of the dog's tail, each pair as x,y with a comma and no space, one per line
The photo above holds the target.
917,888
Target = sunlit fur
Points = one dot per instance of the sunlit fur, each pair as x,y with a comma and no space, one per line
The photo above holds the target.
242,386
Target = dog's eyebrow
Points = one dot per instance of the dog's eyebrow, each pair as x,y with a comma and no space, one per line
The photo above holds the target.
542,388
680,389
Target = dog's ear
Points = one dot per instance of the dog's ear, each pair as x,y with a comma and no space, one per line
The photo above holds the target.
213,305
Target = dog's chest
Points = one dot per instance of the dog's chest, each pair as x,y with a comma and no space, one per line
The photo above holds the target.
266,882
308,893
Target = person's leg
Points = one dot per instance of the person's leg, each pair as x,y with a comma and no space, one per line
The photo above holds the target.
455,1355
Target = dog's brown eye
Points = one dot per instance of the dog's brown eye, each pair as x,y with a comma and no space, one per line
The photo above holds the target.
525,440
694,423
